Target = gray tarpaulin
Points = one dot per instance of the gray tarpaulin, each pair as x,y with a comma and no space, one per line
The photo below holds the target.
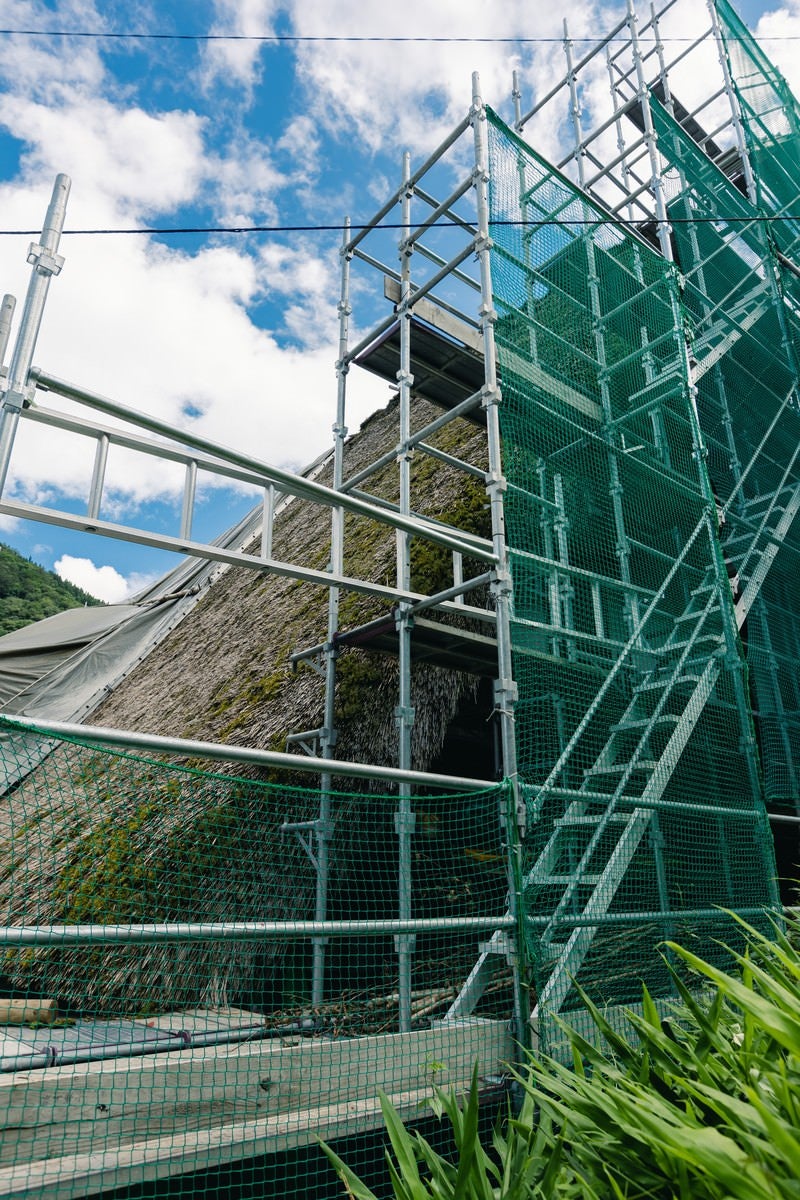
31,656
61,668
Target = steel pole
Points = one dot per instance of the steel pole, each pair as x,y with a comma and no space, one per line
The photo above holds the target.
512,815
405,819
6,317
103,736
45,262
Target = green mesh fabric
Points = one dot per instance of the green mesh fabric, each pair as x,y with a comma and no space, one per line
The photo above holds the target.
771,117
636,743
744,340
136,1065
765,365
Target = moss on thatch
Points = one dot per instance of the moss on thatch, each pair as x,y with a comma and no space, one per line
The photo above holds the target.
96,841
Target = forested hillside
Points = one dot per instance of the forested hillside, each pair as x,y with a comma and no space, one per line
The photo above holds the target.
28,592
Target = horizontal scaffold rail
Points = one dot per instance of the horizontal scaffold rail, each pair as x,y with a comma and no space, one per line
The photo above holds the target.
125,739
247,931
237,931
289,482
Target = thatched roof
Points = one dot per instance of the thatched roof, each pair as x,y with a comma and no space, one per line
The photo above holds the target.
90,837
223,674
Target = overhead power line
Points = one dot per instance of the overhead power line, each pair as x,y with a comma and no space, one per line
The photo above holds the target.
357,227
133,35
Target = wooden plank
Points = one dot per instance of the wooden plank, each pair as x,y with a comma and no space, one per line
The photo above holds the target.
143,1161
433,315
77,1130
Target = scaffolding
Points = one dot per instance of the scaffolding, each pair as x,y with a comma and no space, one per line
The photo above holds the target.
620,327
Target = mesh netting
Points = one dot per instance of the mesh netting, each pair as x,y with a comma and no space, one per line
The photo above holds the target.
171,1007
196,1047
743,337
635,738
771,117
764,365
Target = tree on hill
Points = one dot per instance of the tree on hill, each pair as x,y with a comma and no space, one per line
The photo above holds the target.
29,593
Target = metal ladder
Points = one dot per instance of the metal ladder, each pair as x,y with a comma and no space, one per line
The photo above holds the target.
714,341
617,803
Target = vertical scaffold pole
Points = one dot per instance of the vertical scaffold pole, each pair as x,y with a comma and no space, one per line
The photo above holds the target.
751,183
46,262
324,825
405,819
730,92
6,317
574,105
516,96
513,816
621,144
734,658
774,283
662,65
663,227
615,488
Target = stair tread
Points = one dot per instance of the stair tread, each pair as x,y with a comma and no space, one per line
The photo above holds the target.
591,819
644,764
662,684
643,722
583,796
694,616
586,879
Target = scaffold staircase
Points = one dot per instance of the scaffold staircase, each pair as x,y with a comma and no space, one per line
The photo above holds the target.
606,816
727,327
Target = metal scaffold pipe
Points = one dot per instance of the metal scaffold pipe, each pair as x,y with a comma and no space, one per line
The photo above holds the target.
405,819
6,317
265,758
237,931
45,262
288,482
512,816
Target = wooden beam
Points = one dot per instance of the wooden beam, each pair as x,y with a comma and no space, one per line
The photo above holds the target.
78,1130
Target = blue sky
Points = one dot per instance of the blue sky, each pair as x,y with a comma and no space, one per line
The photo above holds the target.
233,336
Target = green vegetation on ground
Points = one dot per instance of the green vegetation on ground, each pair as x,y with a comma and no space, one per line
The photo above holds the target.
699,1100
29,593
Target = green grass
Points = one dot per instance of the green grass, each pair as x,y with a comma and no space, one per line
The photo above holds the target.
700,1104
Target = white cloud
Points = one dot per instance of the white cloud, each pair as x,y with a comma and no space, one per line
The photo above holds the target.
167,333
239,62
164,331
779,31
105,583
54,66
301,142
245,182
412,93
129,163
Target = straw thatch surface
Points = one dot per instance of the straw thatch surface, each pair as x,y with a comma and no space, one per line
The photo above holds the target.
93,838
223,674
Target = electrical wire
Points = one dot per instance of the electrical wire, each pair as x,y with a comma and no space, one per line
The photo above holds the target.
132,35
356,227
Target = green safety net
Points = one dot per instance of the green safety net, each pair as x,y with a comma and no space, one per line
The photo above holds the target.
771,118
744,340
637,746
650,426
200,1060
768,362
